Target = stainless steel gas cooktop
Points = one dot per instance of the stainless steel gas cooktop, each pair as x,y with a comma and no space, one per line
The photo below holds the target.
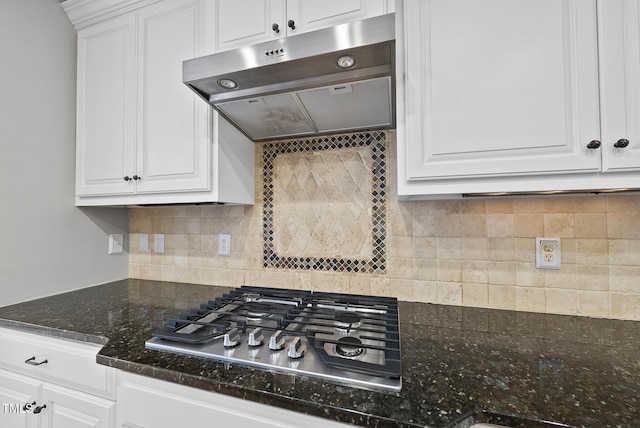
341,338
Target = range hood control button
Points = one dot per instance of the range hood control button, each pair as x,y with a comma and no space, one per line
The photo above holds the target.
231,338
296,349
256,338
276,341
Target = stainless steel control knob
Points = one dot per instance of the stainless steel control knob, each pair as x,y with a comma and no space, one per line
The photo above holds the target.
296,349
256,338
231,338
276,341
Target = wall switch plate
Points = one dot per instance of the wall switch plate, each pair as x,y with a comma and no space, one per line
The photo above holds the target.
116,243
143,243
548,255
158,243
224,244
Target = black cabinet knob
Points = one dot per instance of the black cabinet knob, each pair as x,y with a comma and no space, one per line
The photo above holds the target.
135,177
593,145
127,178
275,28
621,143
291,24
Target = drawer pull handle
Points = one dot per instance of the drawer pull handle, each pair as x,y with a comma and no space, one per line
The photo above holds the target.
32,408
32,361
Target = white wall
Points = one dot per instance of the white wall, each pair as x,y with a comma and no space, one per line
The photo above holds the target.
47,245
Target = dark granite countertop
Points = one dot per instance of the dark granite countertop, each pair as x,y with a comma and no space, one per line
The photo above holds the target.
456,361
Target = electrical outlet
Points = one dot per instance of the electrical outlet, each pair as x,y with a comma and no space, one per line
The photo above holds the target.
143,243
224,244
548,255
116,243
158,243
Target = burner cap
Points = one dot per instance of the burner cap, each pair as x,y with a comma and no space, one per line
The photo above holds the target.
346,321
349,347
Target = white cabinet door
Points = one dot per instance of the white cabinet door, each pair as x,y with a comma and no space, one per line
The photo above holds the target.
106,108
308,15
174,142
499,88
253,21
620,84
67,408
247,22
16,391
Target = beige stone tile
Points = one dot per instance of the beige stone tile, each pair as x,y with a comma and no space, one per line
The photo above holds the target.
501,206
592,251
194,242
399,247
623,225
424,225
560,205
449,270
593,304
399,225
474,225
500,226
400,268
475,271
625,306
592,277
625,279
591,204
475,248
425,291
529,205
425,269
448,225
475,295
424,247
381,286
402,289
502,297
560,225
530,299
559,301
528,276
450,293
624,252
562,278
591,225
449,248
424,208
529,225
446,207
623,203
360,285
502,249
525,249
503,273
473,207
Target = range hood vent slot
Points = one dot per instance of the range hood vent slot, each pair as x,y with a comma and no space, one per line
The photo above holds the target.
302,90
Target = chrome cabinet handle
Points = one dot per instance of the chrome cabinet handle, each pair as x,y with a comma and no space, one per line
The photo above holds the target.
276,28
32,361
595,144
621,143
291,24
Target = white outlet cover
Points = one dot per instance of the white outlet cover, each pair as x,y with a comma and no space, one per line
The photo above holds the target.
224,244
143,243
548,254
158,243
116,243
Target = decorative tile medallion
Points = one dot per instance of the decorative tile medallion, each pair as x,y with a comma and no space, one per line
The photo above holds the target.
324,203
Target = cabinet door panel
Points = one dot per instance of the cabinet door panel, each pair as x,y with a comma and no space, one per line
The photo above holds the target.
15,392
105,132
500,87
620,83
67,408
313,15
248,22
173,139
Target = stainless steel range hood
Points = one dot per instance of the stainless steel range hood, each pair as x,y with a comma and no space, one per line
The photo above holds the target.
306,84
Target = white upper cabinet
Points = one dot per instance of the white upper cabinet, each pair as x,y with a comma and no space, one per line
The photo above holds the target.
142,136
242,23
506,96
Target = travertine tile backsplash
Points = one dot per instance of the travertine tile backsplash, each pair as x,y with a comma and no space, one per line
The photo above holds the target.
457,252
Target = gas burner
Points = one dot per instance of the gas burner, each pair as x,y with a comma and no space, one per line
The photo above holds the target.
257,315
349,347
347,321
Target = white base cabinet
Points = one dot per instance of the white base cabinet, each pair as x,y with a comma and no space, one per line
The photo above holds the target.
46,382
150,403
503,96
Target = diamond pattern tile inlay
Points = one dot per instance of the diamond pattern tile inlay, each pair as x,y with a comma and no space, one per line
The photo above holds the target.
324,203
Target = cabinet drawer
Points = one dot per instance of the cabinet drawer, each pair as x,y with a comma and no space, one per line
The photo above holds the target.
68,363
